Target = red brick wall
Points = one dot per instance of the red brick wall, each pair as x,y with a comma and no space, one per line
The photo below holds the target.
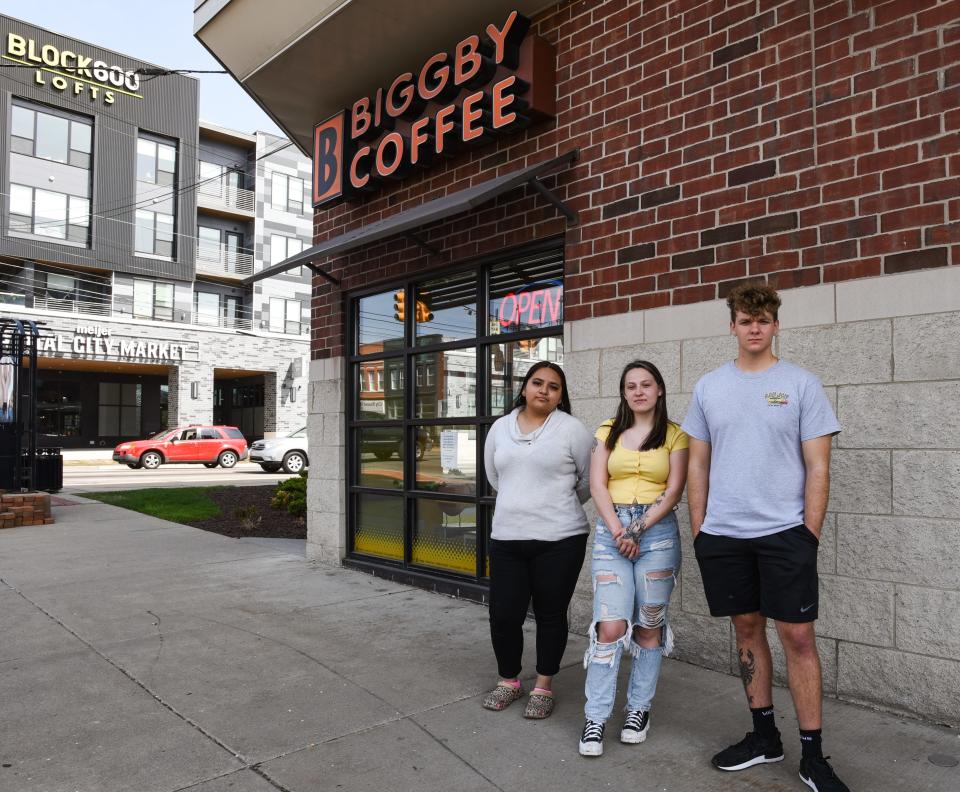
804,142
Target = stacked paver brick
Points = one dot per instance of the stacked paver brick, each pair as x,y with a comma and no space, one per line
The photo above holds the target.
32,508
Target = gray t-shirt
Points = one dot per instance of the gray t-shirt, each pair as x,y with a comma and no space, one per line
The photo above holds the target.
755,424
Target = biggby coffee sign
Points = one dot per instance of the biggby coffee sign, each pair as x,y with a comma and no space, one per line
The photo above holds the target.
71,72
486,86
96,341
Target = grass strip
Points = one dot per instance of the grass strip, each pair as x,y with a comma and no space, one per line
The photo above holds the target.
176,504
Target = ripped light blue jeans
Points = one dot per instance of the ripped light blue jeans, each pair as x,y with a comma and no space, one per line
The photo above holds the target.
638,593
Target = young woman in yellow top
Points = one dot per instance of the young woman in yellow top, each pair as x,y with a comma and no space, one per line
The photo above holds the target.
637,472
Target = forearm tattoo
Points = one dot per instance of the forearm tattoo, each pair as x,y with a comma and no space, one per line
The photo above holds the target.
748,667
596,445
639,524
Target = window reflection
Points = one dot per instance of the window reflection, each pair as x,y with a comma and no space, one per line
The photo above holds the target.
379,388
381,457
509,364
446,384
446,309
445,535
447,459
526,296
378,324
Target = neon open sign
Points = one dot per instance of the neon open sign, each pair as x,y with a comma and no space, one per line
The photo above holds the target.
537,306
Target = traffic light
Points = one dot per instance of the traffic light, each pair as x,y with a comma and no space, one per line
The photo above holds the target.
399,310
422,312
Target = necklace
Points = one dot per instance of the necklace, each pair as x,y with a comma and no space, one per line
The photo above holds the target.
529,437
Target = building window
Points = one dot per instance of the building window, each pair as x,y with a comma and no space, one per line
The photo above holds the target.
282,248
213,175
57,138
119,409
152,300
284,316
49,214
156,162
286,193
418,498
154,233
207,307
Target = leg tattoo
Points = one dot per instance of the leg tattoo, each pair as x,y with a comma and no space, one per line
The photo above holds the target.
748,668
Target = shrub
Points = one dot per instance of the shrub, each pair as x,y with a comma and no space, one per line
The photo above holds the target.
291,495
249,517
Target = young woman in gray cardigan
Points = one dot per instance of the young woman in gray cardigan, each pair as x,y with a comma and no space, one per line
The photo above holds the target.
537,458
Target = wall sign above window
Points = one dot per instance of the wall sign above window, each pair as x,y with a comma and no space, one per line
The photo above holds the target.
72,73
486,86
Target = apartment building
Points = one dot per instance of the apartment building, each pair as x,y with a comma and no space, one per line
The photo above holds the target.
128,226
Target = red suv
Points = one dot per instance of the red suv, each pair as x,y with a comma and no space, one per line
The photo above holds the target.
211,445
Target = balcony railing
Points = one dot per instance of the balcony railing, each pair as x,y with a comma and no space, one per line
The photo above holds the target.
220,194
223,261
87,307
230,322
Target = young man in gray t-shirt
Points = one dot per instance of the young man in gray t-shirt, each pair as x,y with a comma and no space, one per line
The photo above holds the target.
757,487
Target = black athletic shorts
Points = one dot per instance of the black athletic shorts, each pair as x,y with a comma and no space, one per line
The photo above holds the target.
775,575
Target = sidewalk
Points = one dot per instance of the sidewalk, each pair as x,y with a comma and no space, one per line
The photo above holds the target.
138,655
87,456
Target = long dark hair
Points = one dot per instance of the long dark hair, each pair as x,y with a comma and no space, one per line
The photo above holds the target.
521,400
623,420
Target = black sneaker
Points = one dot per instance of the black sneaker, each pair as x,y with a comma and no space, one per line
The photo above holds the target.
635,727
819,776
751,750
591,741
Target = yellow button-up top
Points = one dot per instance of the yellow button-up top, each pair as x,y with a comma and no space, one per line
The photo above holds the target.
640,476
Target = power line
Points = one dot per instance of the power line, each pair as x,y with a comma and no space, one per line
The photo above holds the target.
104,114
148,71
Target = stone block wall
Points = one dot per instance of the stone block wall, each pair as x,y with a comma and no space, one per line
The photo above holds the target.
890,550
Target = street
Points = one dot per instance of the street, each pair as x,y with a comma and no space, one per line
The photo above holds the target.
112,476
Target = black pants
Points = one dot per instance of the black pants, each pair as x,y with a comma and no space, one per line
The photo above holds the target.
545,571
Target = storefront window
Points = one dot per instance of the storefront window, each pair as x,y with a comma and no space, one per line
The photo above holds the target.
445,536
446,309
446,384
526,296
119,410
377,531
434,363
379,323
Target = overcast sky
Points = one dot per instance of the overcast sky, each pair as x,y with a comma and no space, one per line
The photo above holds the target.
158,31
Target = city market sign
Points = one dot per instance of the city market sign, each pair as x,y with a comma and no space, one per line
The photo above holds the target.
486,86
96,341
70,72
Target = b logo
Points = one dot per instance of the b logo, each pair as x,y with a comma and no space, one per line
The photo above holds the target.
328,159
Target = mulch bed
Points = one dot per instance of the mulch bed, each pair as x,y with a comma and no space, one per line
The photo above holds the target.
246,511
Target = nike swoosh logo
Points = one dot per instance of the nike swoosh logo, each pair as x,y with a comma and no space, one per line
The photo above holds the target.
804,610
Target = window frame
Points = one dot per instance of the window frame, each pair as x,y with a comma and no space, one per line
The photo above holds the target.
157,143
154,287
293,206
74,123
43,227
154,231
549,251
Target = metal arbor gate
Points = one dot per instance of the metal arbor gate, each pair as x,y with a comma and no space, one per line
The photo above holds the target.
18,410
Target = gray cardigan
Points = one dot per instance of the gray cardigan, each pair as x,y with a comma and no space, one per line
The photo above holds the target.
541,480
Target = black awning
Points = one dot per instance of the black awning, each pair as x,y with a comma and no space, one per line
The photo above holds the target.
438,209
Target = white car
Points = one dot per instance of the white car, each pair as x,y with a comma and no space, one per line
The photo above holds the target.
288,453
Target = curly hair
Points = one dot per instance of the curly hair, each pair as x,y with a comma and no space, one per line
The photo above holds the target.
753,299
